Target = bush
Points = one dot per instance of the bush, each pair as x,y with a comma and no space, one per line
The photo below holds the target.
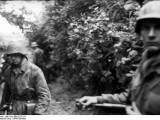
92,41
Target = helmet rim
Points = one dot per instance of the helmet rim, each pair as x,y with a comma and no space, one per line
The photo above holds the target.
16,48
150,10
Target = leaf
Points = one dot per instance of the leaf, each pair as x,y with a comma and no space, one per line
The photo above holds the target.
118,63
129,75
106,73
133,53
76,30
1,65
107,19
118,44
124,59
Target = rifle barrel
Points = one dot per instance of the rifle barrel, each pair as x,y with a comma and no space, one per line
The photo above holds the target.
108,105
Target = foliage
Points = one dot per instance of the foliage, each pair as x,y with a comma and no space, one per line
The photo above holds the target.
95,45
92,41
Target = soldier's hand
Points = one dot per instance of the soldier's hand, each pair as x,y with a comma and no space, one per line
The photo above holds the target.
5,107
133,110
88,100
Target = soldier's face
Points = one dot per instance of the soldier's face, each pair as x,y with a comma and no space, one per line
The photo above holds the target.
15,58
150,33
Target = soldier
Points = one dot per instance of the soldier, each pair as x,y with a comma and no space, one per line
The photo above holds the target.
38,55
39,58
26,91
144,90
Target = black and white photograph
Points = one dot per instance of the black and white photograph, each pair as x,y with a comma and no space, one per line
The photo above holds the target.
79,57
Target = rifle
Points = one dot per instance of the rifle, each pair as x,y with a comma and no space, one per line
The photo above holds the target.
113,108
109,105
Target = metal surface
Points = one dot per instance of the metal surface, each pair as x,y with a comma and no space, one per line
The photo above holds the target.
108,105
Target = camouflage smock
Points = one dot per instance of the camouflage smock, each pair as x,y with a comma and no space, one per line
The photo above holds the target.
17,80
145,87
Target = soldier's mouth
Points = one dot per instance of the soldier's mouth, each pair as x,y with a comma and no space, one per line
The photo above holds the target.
149,44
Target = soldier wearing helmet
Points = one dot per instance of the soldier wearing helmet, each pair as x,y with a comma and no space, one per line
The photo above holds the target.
37,54
144,91
26,91
39,58
145,87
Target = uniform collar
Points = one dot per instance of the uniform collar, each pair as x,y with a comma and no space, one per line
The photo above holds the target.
24,64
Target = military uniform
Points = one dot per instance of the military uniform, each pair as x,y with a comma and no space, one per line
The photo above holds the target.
39,58
25,91
145,87
20,79
114,98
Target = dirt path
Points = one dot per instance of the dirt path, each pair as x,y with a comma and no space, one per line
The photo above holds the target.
63,100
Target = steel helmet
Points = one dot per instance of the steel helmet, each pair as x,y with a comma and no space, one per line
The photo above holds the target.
15,47
34,44
150,10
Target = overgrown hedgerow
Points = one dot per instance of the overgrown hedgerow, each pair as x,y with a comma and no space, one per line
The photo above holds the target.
95,43
92,42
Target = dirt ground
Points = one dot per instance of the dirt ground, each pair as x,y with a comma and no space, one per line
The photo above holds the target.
63,99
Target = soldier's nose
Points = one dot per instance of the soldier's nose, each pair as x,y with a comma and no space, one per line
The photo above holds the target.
151,34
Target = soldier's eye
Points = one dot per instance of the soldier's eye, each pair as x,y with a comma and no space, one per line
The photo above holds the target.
145,27
157,26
